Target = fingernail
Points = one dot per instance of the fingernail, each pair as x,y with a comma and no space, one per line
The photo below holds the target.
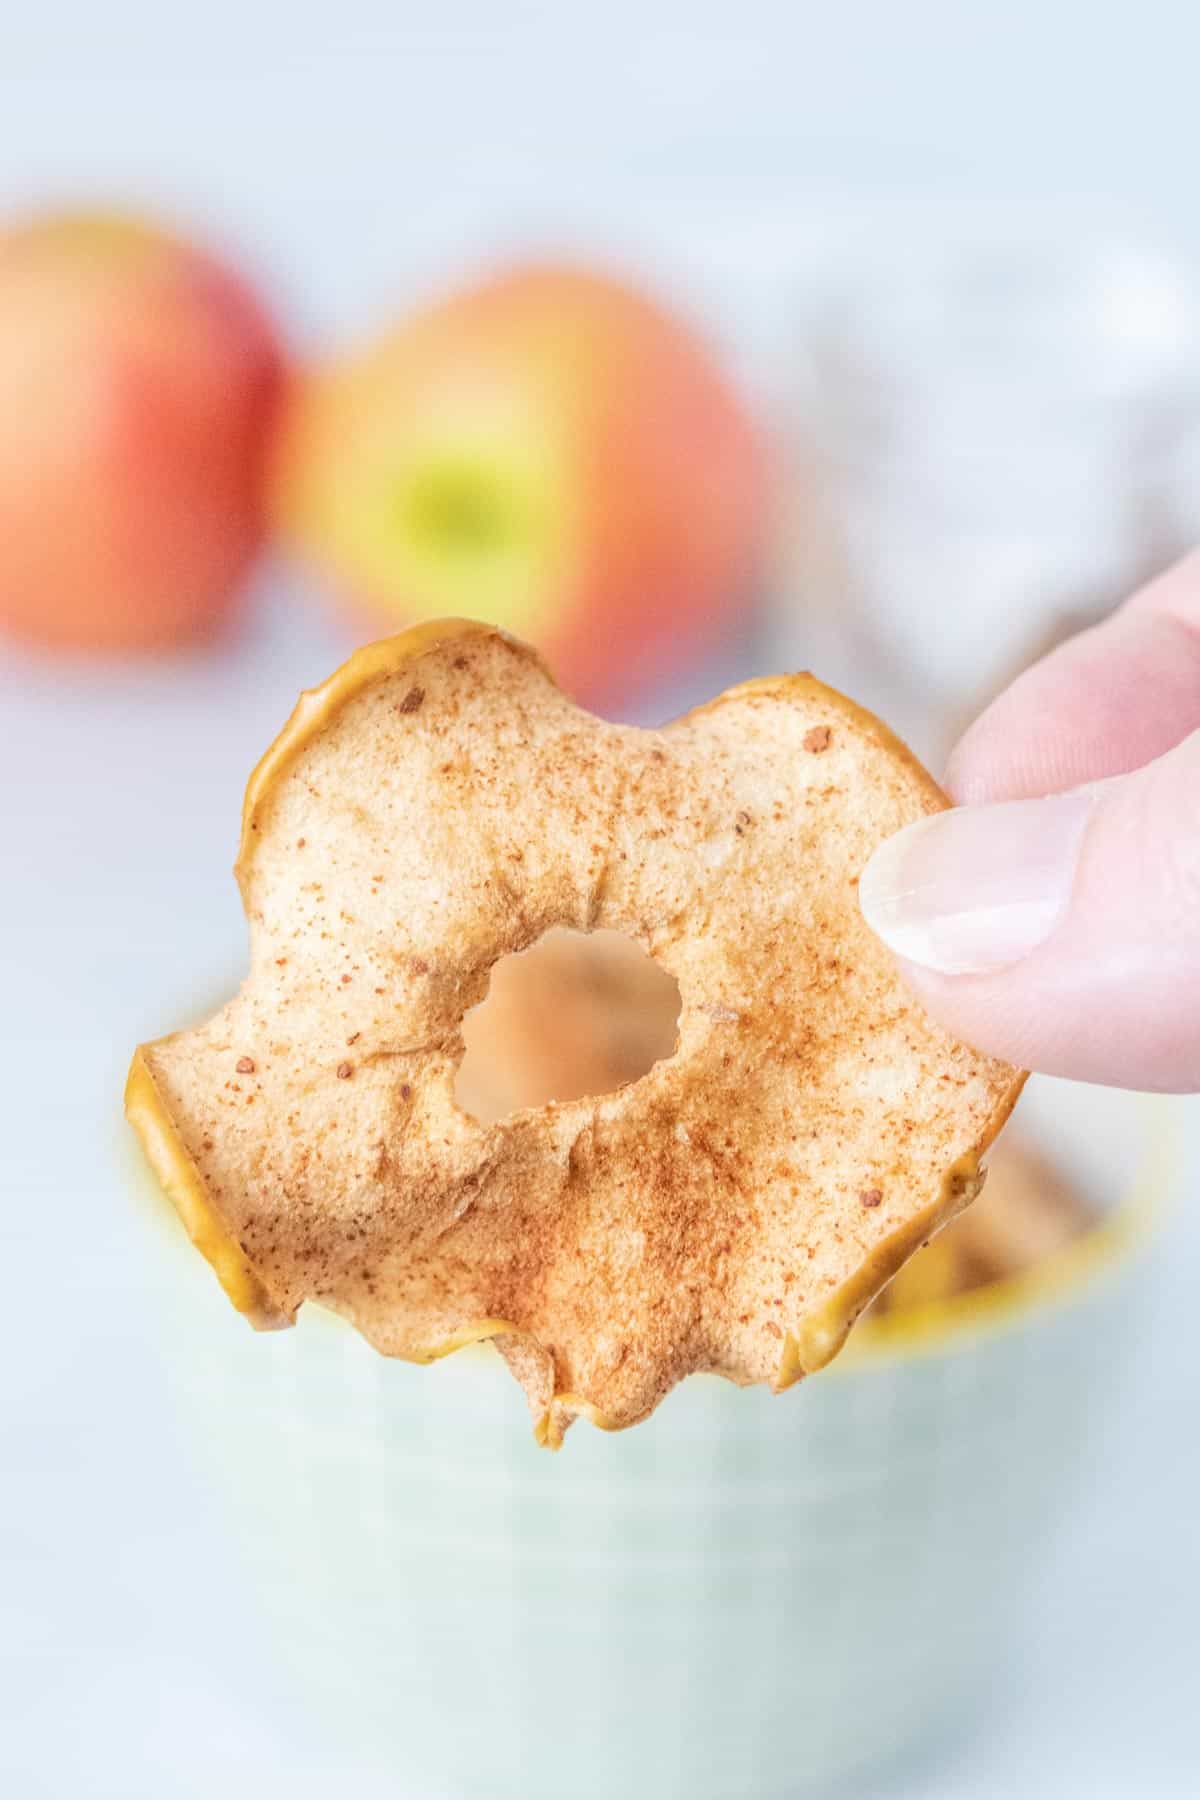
977,888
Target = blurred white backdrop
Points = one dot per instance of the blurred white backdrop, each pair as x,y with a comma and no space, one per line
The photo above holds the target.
349,155
350,151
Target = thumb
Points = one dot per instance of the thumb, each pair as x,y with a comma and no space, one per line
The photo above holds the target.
1060,933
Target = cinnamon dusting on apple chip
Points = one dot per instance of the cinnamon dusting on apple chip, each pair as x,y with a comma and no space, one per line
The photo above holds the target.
711,1215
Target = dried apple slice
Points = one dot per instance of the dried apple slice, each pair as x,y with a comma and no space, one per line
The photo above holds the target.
438,804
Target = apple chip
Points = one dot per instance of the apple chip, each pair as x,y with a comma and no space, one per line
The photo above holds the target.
438,804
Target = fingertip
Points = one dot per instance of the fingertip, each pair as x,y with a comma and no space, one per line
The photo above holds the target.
1103,704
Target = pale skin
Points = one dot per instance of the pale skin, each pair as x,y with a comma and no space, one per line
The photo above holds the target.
1054,917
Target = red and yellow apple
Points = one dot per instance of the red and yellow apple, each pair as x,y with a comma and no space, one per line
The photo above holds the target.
138,383
549,451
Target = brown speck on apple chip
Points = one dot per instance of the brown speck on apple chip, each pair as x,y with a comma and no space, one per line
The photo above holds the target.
245,1065
817,739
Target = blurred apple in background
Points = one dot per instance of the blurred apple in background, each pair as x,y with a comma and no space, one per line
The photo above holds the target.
138,383
548,450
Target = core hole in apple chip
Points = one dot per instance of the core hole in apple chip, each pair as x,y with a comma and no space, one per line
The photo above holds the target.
576,1016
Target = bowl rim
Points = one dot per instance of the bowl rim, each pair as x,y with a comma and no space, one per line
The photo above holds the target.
931,1327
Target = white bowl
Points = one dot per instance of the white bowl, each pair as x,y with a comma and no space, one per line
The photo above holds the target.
744,1595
